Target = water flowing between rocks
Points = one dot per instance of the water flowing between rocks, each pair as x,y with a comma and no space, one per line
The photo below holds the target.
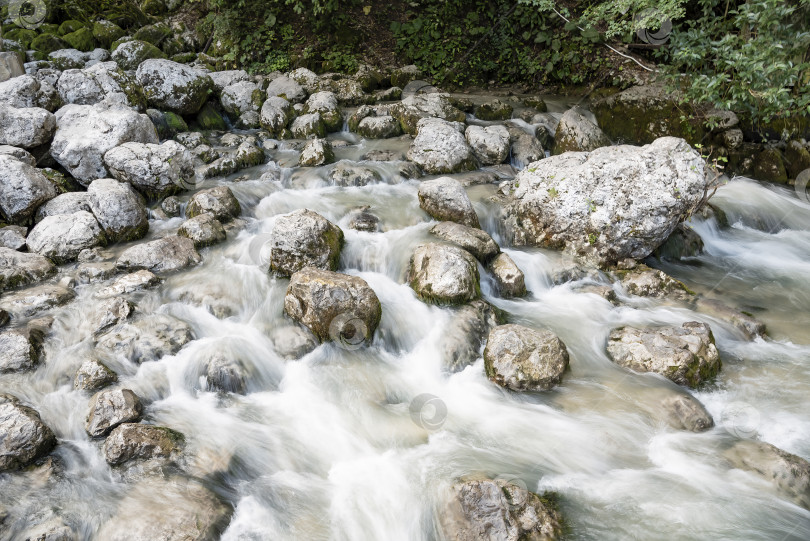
363,443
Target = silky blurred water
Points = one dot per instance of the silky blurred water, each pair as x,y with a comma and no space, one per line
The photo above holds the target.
326,447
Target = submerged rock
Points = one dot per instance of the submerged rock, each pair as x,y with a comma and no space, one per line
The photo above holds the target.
685,412
132,441
93,375
746,323
147,339
362,219
19,269
129,283
292,342
304,239
23,435
508,276
162,255
445,200
443,274
27,302
108,409
466,334
609,204
497,510
225,375
524,359
686,354
440,148
345,173
335,307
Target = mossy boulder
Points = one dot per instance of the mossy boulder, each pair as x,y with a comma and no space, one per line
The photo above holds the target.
184,58
209,118
797,158
494,110
795,127
82,39
106,32
153,7
126,15
642,114
69,27
172,46
48,28
48,43
154,34
769,166
22,36
167,124
131,54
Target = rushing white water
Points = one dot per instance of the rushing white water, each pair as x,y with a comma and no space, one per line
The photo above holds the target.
326,447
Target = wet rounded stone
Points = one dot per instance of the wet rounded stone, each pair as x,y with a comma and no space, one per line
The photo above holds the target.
524,359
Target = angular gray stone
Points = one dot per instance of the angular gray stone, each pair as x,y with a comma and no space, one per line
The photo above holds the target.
443,274
154,170
127,284
345,173
242,97
379,127
23,435
440,148
109,409
490,144
120,211
26,128
475,241
170,86
292,342
166,254
19,153
65,203
336,307
508,276
275,115
22,189
304,239
26,91
445,200
147,339
27,302
110,312
101,82
308,126
686,354
286,88
12,236
133,441
20,349
204,230
524,359
685,412
219,202
362,219
225,375
414,108
19,269
576,133
93,375
60,238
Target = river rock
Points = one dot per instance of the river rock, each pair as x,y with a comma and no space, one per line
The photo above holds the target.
196,512
155,170
13,236
223,79
576,133
27,302
242,97
326,105
20,349
316,152
746,323
414,108
685,412
129,283
475,241
286,88
443,274
445,200
19,269
304,239
170,86
686,354
494,110
292,342
524,359
440,148
610,204
275,115
23,435
84,134
204,230
147,339
162,255
120,210
52,529
308,126
646,282
526,148
379,127
333,306
225,375
788,473
218,202
110,312
108,409
508,276
497,510
362,219
466,334
65,203
489,144
26,128
22,189
100,82
93,375
60,238
345,173
133,441
26,91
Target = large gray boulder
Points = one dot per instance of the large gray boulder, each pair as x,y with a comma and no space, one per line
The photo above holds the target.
609,204
308,126
223,79
443,274
489,144
475,241
109,409
19,269
19,153
204,230
242,97
23,435
286,88
275,115
120,210
379,127
166,254
526,147
414,108
84,134
64,203
27,91
170,86
333,306
218,202
439,148
133,441
22,189
499,510
155,170
576,133
60,238
101,82
93,375
445,200
26,128
509,278
131,54
686,354
325,104
20,349
13,236
195,513
524,359
304,239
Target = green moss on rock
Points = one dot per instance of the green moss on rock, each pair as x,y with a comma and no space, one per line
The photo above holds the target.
22,36
154,34
48,43
184,58
209,118
494,110
82,39
69,27
769,166
107,33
